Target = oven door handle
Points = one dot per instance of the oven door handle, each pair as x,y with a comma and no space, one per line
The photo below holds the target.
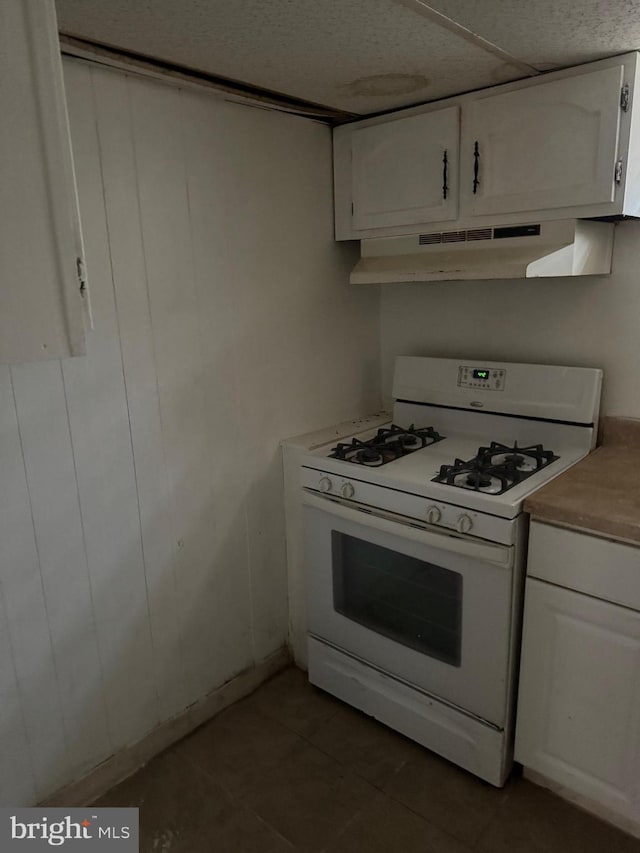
499,555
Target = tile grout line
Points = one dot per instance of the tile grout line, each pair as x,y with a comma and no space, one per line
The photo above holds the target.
304,738
194,763
458,841
491,821
380,790
268,826
239,800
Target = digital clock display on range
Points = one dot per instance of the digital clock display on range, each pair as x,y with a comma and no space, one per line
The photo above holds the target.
480,374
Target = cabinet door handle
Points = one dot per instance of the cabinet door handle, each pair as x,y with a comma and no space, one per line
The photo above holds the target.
476,167
445,164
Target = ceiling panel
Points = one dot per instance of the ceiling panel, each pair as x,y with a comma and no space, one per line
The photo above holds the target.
362,56
551,33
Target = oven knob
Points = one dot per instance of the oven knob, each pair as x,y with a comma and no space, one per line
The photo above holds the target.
347,490
433,514
464,523
325,484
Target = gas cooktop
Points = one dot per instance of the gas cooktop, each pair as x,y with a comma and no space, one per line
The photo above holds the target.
493,470
515,458
462,443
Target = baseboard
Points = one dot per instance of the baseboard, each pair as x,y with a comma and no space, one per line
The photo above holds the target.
83,791
588,805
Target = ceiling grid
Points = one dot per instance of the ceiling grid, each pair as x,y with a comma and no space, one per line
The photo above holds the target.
359,57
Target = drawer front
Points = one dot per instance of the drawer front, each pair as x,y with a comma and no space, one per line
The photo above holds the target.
589,564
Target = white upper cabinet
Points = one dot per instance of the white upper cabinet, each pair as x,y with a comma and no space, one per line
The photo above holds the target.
553,145
41,259
564,145
405,172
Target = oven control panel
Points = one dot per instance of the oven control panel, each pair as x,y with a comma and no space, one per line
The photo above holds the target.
369,498
482,378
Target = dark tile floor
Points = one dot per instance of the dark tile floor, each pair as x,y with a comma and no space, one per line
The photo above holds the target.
290,768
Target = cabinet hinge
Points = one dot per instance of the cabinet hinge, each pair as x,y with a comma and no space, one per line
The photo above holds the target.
618,172
82,277
624,98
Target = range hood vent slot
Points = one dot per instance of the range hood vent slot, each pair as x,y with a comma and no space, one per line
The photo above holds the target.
480,234
430,239
566,247
474,234
454,236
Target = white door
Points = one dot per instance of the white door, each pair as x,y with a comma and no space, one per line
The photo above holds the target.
549,146
579,702
41,300
404,601
405,172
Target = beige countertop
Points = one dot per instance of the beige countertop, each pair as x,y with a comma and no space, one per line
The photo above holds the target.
601,494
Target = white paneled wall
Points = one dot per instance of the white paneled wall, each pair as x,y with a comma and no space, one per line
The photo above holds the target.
582,322
142,556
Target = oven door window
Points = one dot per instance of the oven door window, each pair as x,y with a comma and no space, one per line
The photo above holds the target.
410,601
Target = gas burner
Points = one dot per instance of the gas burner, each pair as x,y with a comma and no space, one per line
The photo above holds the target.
369,456
496,468
409,441
478,479
524,459
389,443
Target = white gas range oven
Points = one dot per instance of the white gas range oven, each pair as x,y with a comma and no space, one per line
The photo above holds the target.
415,542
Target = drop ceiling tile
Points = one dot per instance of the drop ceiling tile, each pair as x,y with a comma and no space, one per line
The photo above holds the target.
551,33
362,56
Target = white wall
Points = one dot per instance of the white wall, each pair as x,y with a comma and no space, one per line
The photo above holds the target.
586,322
142,556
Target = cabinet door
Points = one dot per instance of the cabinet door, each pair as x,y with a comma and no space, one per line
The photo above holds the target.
405,172
578,717
551,145
41,306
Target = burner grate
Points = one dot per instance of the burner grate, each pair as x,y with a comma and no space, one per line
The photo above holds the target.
388,444
496,468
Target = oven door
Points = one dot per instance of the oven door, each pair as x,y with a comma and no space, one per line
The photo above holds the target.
427,606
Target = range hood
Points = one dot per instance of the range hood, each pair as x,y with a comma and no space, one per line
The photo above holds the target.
562,248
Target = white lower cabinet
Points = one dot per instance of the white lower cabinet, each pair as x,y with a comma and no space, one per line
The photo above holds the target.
578,721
